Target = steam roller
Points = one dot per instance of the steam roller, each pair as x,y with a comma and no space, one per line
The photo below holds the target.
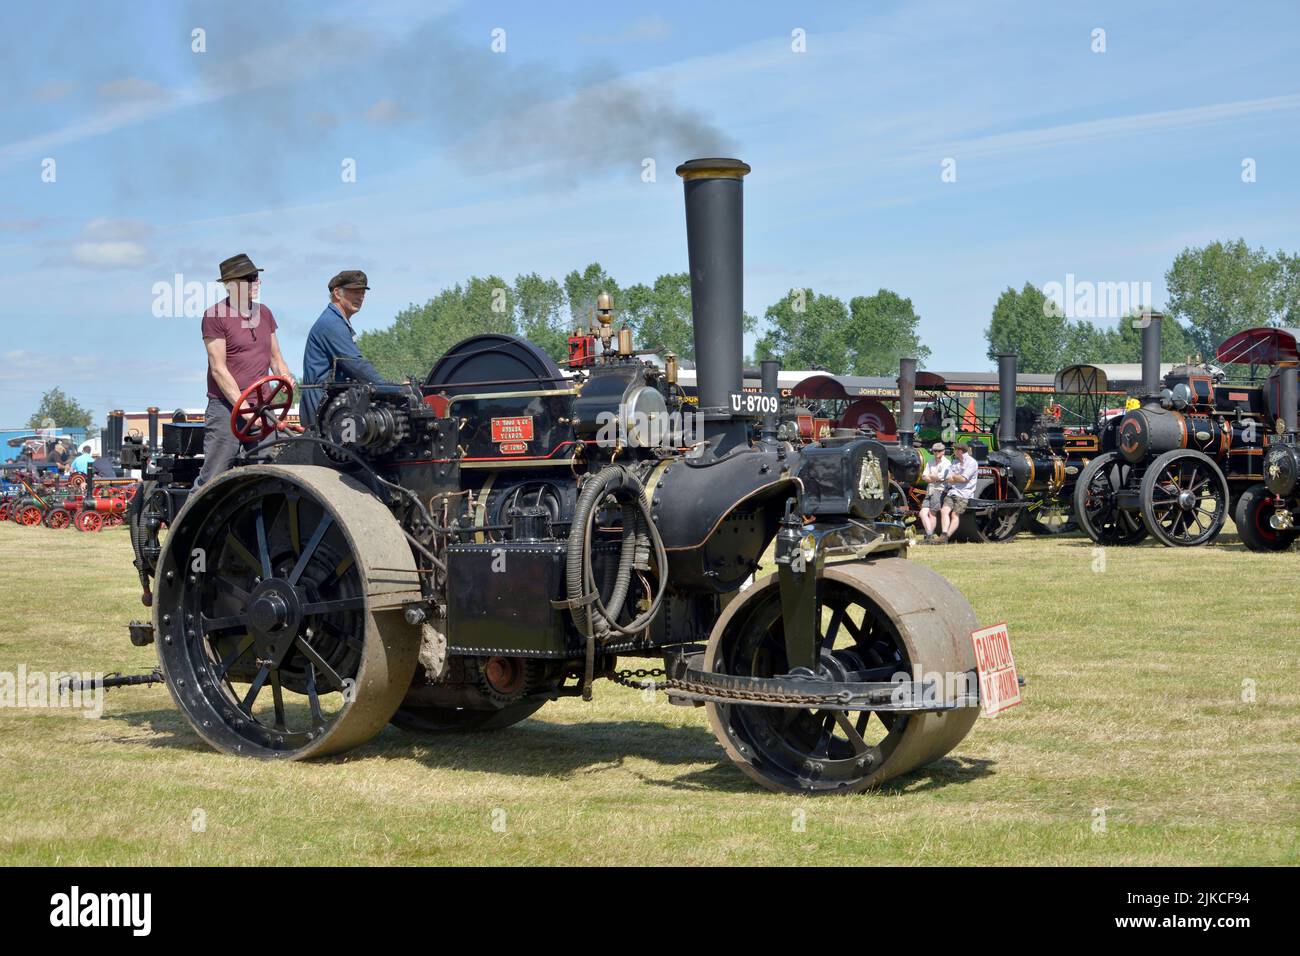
452,555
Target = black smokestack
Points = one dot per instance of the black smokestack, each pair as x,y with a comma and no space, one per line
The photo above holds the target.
1286,396
770,386
1151,352
906,400
115,422
1006,398
714,239
153,428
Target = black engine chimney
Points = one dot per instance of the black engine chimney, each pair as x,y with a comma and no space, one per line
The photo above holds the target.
1151,352
714,239
1006,399
906,401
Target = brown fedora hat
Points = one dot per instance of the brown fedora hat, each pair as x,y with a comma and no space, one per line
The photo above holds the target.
238,267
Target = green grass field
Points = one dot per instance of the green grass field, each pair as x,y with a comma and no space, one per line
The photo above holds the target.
1137,742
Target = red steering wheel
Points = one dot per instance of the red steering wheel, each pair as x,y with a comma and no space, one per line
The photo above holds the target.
266,403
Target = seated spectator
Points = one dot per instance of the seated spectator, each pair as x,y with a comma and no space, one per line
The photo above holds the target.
935,473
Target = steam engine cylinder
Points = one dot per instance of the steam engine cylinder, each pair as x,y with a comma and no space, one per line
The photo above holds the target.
1151,430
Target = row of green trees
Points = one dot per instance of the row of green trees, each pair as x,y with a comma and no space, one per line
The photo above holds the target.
1214,291
544,311
807,330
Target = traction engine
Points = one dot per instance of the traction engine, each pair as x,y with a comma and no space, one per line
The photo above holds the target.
453,554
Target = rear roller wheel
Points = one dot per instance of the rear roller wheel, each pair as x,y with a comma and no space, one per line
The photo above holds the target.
58,518
1254,509
890,614
1096,502
1184,499
287,640
29,515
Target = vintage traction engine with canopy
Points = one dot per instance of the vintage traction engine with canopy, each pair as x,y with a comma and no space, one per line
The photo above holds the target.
454,554
1180,462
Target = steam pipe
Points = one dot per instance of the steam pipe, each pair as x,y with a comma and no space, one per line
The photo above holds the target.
906,400
1006,398
1151,352
770,386
715,247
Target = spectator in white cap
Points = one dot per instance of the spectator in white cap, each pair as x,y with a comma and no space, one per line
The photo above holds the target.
935,473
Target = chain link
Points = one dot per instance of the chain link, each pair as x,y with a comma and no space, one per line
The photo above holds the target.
626,678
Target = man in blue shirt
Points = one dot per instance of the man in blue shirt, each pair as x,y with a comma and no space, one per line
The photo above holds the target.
331,353
82,462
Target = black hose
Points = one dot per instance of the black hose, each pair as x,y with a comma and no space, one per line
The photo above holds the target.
592,616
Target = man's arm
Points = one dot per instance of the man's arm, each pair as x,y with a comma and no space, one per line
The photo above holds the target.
339,344
217,363
278,365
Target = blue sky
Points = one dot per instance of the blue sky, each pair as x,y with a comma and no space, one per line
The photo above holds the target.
1103,165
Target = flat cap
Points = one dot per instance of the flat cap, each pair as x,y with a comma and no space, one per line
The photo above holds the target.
349,279
938,446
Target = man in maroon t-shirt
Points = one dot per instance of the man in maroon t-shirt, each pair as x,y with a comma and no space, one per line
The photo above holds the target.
239,335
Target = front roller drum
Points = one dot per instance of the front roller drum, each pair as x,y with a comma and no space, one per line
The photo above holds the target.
279,612
887,614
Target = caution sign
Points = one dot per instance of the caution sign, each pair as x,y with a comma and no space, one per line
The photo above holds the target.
512,429
999,685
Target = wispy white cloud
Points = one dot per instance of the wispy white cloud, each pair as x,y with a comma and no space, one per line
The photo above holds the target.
109,255
1114,127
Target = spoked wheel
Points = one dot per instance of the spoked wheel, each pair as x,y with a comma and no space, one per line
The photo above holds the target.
1254,509
1051,516
89,521
287,640
1184,499
78,483
4,510
991,525
29,515
58,518
1096,502
889,616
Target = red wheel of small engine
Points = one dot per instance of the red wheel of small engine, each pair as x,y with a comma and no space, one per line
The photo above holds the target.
58,519
4,511
266,402
113,520
90,521
30,516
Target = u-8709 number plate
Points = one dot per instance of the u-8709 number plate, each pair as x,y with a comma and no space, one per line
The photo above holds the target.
753,404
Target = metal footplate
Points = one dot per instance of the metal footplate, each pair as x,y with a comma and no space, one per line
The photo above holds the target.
689,682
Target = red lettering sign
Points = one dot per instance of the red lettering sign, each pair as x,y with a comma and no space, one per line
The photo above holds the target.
999,685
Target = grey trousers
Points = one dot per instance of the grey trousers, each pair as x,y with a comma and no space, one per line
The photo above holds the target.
220,446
